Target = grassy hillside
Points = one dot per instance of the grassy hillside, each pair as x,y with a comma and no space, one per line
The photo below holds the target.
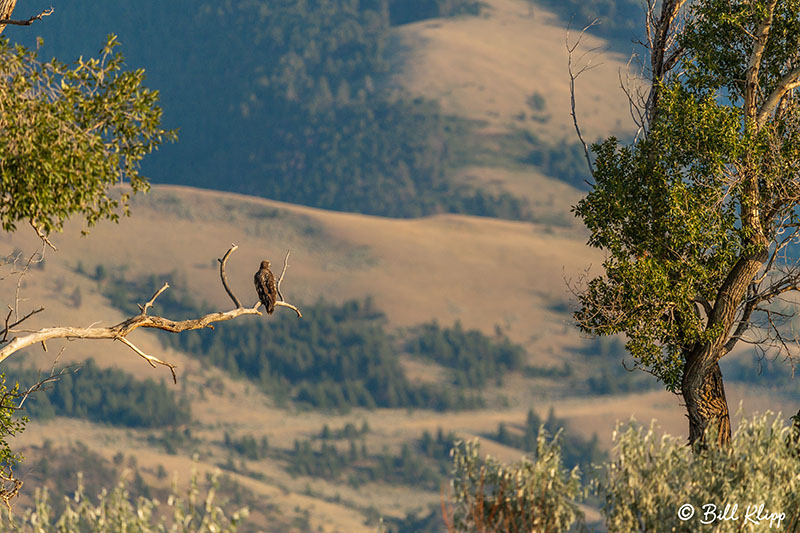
489,86
367,106
417,271
283,100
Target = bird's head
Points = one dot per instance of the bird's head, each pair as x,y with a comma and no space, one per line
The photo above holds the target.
265,264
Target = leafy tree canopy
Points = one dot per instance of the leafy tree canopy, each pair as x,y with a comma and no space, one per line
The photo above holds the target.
698,213
70,132
666,207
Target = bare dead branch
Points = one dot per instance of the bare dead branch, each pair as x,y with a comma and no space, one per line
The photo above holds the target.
224,277
572,65
153,361
144,307
43,237
40,16
283,272
121,331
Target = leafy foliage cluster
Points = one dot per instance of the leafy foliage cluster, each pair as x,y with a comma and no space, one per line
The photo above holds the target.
667,248
314,122
10,426
670,209
475,358
69,133
108,396
574,449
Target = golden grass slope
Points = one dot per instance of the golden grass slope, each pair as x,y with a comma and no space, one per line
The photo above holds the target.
484,272
486,67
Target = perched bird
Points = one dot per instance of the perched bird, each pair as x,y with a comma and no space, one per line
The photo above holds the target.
265,287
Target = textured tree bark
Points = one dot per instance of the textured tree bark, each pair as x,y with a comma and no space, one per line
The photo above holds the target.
706,405
702,386
6,9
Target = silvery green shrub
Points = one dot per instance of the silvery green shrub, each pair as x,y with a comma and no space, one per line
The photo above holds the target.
530,495
115,513
654,484
657,484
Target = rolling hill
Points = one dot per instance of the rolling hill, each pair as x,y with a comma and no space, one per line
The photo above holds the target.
500,277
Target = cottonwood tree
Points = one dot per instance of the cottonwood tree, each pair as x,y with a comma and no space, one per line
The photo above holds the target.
699,215
71,141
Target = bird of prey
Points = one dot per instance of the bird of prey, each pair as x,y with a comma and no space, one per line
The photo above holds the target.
6,8
265,287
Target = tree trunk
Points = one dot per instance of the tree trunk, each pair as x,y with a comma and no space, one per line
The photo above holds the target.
702,386
706,405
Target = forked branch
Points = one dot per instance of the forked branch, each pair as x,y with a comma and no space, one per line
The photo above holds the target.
575,69
121,331
28,22
224,277
281,302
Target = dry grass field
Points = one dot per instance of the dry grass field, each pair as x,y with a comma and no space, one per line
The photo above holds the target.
485,68
486,273
483,272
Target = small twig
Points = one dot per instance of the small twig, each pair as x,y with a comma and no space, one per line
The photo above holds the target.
22,273
8,326
39,231
283,272
290,306
40,16
40,385
149,358
153,299
55,361
572,77
224,276
5,331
